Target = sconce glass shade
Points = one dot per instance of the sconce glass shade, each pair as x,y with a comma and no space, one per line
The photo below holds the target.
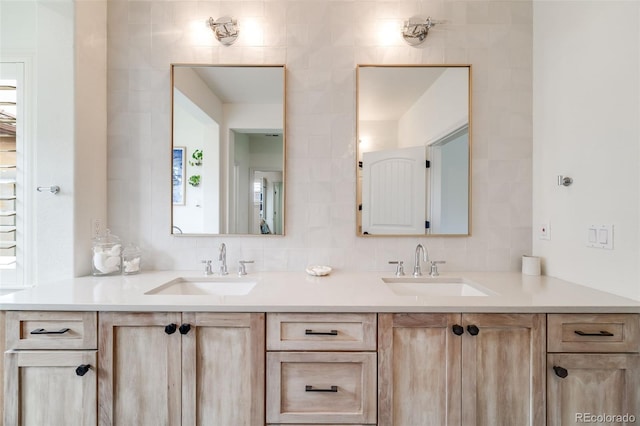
225,29
415,30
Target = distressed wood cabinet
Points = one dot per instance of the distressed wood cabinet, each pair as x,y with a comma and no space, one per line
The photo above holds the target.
321,368
593,369
109,368
469,369
189,369
50,368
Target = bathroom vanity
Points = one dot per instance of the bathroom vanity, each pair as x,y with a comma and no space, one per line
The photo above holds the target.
295,349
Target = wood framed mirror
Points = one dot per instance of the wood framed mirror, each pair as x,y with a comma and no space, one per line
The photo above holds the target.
228,149
413,153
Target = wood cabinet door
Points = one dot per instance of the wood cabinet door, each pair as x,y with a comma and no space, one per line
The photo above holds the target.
503,369
43,388
223,369
594,384
140,363
419,374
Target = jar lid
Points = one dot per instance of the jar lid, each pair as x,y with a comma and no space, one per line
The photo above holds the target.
131,249
106,238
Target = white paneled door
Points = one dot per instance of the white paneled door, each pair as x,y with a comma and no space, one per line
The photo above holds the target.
394,191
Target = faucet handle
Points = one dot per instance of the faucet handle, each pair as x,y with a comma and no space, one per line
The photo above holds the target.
433,271
399,267
207,267
241,267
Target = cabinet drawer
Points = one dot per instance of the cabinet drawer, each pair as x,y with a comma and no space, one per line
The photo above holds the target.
51,330
593,333
321,387
321,332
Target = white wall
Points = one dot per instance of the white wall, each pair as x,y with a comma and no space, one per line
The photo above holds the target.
242,159
65,46
586,93
584,128
443,108
90,127
377,135
187,81
321,42
195,130
207,110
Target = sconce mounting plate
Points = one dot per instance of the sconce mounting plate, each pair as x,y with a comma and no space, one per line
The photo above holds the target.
225,29
415,30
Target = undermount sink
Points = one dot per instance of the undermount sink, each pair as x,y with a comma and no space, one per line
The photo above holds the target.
434,286
213,286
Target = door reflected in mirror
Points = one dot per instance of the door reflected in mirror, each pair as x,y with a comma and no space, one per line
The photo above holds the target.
228,150
413,150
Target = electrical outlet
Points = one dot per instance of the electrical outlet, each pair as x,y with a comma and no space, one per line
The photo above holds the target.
96,227
544,231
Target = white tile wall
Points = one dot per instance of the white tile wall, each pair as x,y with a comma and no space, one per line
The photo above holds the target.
321,42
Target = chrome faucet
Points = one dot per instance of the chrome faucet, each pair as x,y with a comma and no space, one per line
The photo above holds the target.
399,267
242,270
433,271
207,267
417,271
222,257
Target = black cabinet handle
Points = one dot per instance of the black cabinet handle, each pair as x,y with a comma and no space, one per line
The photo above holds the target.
43,331
600,333
457,329
184,328
473,330
82,369
321,333
560,372
171,328
309,388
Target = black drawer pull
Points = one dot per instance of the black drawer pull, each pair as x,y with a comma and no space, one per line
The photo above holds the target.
600,333
473,330
457,329
321,333
171,328
43,331
309,388
560,371
82,369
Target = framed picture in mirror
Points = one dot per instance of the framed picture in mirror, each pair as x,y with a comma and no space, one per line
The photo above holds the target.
177,176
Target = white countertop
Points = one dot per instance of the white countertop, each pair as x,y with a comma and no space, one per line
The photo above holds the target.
298,292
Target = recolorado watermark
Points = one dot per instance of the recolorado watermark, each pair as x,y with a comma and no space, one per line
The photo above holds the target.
605,418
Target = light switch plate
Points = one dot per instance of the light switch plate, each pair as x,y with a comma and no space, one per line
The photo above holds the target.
600,236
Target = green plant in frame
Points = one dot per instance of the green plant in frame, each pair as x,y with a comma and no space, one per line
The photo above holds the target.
194,180
197,158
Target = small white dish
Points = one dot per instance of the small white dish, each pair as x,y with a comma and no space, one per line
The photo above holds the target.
318,270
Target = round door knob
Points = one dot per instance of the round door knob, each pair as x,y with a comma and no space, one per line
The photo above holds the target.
457,329
171,328
473,330
82,369
184,328
560,372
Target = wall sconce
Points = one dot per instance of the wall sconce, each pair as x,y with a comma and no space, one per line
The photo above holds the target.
225,29
415,29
